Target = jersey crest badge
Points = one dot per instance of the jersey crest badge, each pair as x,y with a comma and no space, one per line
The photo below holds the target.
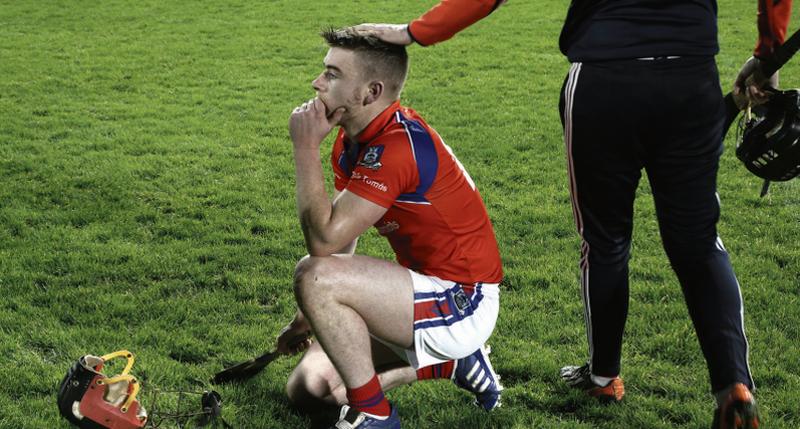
461,301
372,158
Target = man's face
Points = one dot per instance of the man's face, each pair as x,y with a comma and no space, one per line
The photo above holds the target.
341,83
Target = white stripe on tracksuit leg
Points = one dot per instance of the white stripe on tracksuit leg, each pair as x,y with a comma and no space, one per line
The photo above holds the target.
721,247
569,98
744,334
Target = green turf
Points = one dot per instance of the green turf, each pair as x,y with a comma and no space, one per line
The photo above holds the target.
147,203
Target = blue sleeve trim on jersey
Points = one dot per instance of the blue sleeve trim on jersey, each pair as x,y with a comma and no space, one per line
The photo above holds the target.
425,155
412,198
344,165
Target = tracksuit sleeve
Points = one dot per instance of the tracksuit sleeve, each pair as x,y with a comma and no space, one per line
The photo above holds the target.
447,18
773,19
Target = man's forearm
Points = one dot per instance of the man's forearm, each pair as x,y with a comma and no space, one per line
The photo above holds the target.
313,204
447,18
773,20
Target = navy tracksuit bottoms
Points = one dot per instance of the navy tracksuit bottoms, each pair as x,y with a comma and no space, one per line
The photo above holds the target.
663,116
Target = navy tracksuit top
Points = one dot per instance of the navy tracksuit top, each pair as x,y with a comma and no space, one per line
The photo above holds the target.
601,30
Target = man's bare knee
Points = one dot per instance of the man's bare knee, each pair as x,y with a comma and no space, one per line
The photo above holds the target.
308,388
302,388
310,280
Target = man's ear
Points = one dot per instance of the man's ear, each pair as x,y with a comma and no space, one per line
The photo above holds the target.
375,90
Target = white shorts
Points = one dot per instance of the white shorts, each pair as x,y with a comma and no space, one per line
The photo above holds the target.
450,320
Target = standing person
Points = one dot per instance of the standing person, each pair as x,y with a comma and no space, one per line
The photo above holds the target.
643,93
438,304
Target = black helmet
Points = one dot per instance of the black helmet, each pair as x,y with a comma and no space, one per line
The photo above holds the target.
770,142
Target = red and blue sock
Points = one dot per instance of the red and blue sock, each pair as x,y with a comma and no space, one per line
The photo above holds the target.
441,370
369,398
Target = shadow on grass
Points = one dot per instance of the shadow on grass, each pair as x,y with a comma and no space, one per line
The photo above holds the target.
321,415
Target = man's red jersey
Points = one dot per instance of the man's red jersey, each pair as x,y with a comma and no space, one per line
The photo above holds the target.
436,222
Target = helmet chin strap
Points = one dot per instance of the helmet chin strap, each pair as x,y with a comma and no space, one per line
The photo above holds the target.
186,416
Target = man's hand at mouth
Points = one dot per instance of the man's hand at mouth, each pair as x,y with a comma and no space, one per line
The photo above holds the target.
310,123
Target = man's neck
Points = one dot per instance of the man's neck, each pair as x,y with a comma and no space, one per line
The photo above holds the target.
355,125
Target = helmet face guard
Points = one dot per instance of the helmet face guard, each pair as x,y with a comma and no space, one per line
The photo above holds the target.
770,142
91,400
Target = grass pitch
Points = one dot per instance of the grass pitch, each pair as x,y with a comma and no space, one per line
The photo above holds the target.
147,203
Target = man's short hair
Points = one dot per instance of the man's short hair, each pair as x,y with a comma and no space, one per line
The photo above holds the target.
386,61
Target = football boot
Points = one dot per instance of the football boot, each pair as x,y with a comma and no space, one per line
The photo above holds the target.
351,418
475,374
738,410
580,377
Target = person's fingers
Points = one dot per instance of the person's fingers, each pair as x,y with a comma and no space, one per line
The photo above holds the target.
741,100
756,96
389,33
751,92
759,93
319,107
301,346
370,29
367,27
307,105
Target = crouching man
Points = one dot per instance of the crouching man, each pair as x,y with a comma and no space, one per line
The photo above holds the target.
378,323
